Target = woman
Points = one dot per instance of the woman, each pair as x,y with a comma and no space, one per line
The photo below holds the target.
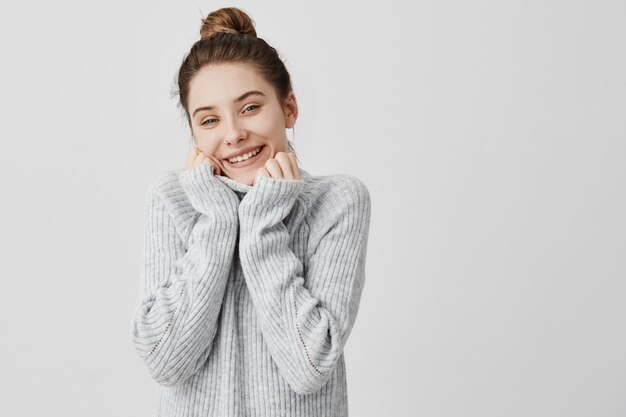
253,268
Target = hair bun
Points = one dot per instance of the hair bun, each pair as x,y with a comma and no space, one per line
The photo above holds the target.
227,20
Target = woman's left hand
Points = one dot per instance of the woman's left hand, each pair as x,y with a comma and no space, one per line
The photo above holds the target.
284,165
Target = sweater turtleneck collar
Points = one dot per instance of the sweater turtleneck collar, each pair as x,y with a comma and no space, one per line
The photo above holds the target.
241,188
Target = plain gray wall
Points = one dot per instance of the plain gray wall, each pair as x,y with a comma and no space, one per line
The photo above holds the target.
491,135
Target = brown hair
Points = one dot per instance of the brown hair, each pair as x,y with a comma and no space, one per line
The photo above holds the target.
228,35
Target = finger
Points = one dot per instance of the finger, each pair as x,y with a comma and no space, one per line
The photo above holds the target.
294,165
285,165
260,172
217,166
273,168
199,159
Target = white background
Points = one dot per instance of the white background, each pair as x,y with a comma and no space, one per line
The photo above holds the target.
491,135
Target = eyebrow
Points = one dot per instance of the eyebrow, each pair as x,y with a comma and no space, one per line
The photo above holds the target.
237,100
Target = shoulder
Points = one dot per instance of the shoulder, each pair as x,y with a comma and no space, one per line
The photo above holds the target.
337,207
165,197
339,200
163,184
165,192
335,190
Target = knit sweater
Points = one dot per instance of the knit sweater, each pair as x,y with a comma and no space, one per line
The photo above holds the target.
248,293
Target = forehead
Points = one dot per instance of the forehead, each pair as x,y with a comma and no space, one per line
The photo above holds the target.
220,84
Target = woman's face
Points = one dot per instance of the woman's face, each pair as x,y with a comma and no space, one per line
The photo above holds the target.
234,111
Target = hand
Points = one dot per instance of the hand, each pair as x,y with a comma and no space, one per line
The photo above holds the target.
284,165
196,157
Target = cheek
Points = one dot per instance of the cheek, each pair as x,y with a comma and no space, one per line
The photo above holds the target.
206,143
273,127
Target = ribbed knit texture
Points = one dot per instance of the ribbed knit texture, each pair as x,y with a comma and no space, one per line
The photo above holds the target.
248,293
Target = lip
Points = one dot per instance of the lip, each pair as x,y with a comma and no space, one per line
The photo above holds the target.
249,161
243,151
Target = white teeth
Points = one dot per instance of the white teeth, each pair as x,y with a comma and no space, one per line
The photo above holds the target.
245,156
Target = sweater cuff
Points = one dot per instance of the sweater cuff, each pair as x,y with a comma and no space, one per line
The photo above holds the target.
269,191
206,193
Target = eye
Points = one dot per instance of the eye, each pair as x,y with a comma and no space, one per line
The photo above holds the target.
251,107
208,121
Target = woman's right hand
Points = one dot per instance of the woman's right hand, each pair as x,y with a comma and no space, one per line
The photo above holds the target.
207,194
196,157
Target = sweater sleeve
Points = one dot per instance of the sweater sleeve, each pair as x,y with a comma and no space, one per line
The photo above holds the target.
305,316
183,282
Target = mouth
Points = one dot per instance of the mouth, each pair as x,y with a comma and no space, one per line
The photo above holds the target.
242,161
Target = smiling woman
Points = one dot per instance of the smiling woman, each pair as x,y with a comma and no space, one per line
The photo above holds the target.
235,112
253,268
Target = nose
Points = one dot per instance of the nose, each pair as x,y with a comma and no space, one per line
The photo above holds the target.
234,132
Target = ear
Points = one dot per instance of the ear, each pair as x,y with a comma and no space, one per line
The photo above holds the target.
291,110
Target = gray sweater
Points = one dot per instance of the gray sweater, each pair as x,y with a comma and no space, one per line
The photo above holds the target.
248,293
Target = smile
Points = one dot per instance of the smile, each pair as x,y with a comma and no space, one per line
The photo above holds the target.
246,159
